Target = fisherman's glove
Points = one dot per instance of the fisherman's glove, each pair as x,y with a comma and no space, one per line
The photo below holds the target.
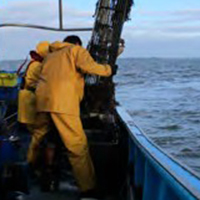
114,69
121,47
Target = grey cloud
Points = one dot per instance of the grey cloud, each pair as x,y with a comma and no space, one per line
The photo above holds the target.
171,31
147,37
185,12
24,10
153,46
184,29
24,40
40,12
168,23
188,12
140,45
183,19
168,17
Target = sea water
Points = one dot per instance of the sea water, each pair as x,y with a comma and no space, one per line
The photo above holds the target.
163,98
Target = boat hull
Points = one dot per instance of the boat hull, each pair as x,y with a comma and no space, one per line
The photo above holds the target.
154,175
128,166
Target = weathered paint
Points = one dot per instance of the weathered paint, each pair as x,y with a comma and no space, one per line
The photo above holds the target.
156,175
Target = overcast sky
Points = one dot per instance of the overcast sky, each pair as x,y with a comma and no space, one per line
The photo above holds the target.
158,28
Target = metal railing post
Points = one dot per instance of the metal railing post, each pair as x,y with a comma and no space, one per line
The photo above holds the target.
60,15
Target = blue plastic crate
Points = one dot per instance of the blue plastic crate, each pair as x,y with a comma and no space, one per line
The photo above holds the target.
9,94
8,152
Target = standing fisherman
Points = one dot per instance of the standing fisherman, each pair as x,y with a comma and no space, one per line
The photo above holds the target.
59,93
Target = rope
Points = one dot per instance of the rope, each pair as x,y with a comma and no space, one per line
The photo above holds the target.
21,66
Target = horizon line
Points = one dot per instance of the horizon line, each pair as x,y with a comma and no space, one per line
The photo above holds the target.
138,57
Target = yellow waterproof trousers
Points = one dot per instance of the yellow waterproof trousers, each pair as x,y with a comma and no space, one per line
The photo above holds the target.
74,139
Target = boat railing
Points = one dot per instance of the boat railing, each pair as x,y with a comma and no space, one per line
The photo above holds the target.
44,27
155,174
60,10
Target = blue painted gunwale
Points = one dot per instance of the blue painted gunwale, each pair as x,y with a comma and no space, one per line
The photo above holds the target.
158,174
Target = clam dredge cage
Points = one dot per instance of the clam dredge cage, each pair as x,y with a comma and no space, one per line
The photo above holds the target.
110,16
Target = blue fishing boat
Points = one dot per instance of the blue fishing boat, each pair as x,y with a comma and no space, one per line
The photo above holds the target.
128,165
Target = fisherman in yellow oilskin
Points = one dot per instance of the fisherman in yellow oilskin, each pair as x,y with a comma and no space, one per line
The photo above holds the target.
27,99
59,92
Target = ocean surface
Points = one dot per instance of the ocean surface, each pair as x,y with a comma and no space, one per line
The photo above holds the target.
163,98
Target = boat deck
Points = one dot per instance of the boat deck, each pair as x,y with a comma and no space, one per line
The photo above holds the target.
109,152
65,192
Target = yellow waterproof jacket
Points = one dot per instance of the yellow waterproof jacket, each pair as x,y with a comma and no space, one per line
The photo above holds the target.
33,74
26,98
34,69
61,85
